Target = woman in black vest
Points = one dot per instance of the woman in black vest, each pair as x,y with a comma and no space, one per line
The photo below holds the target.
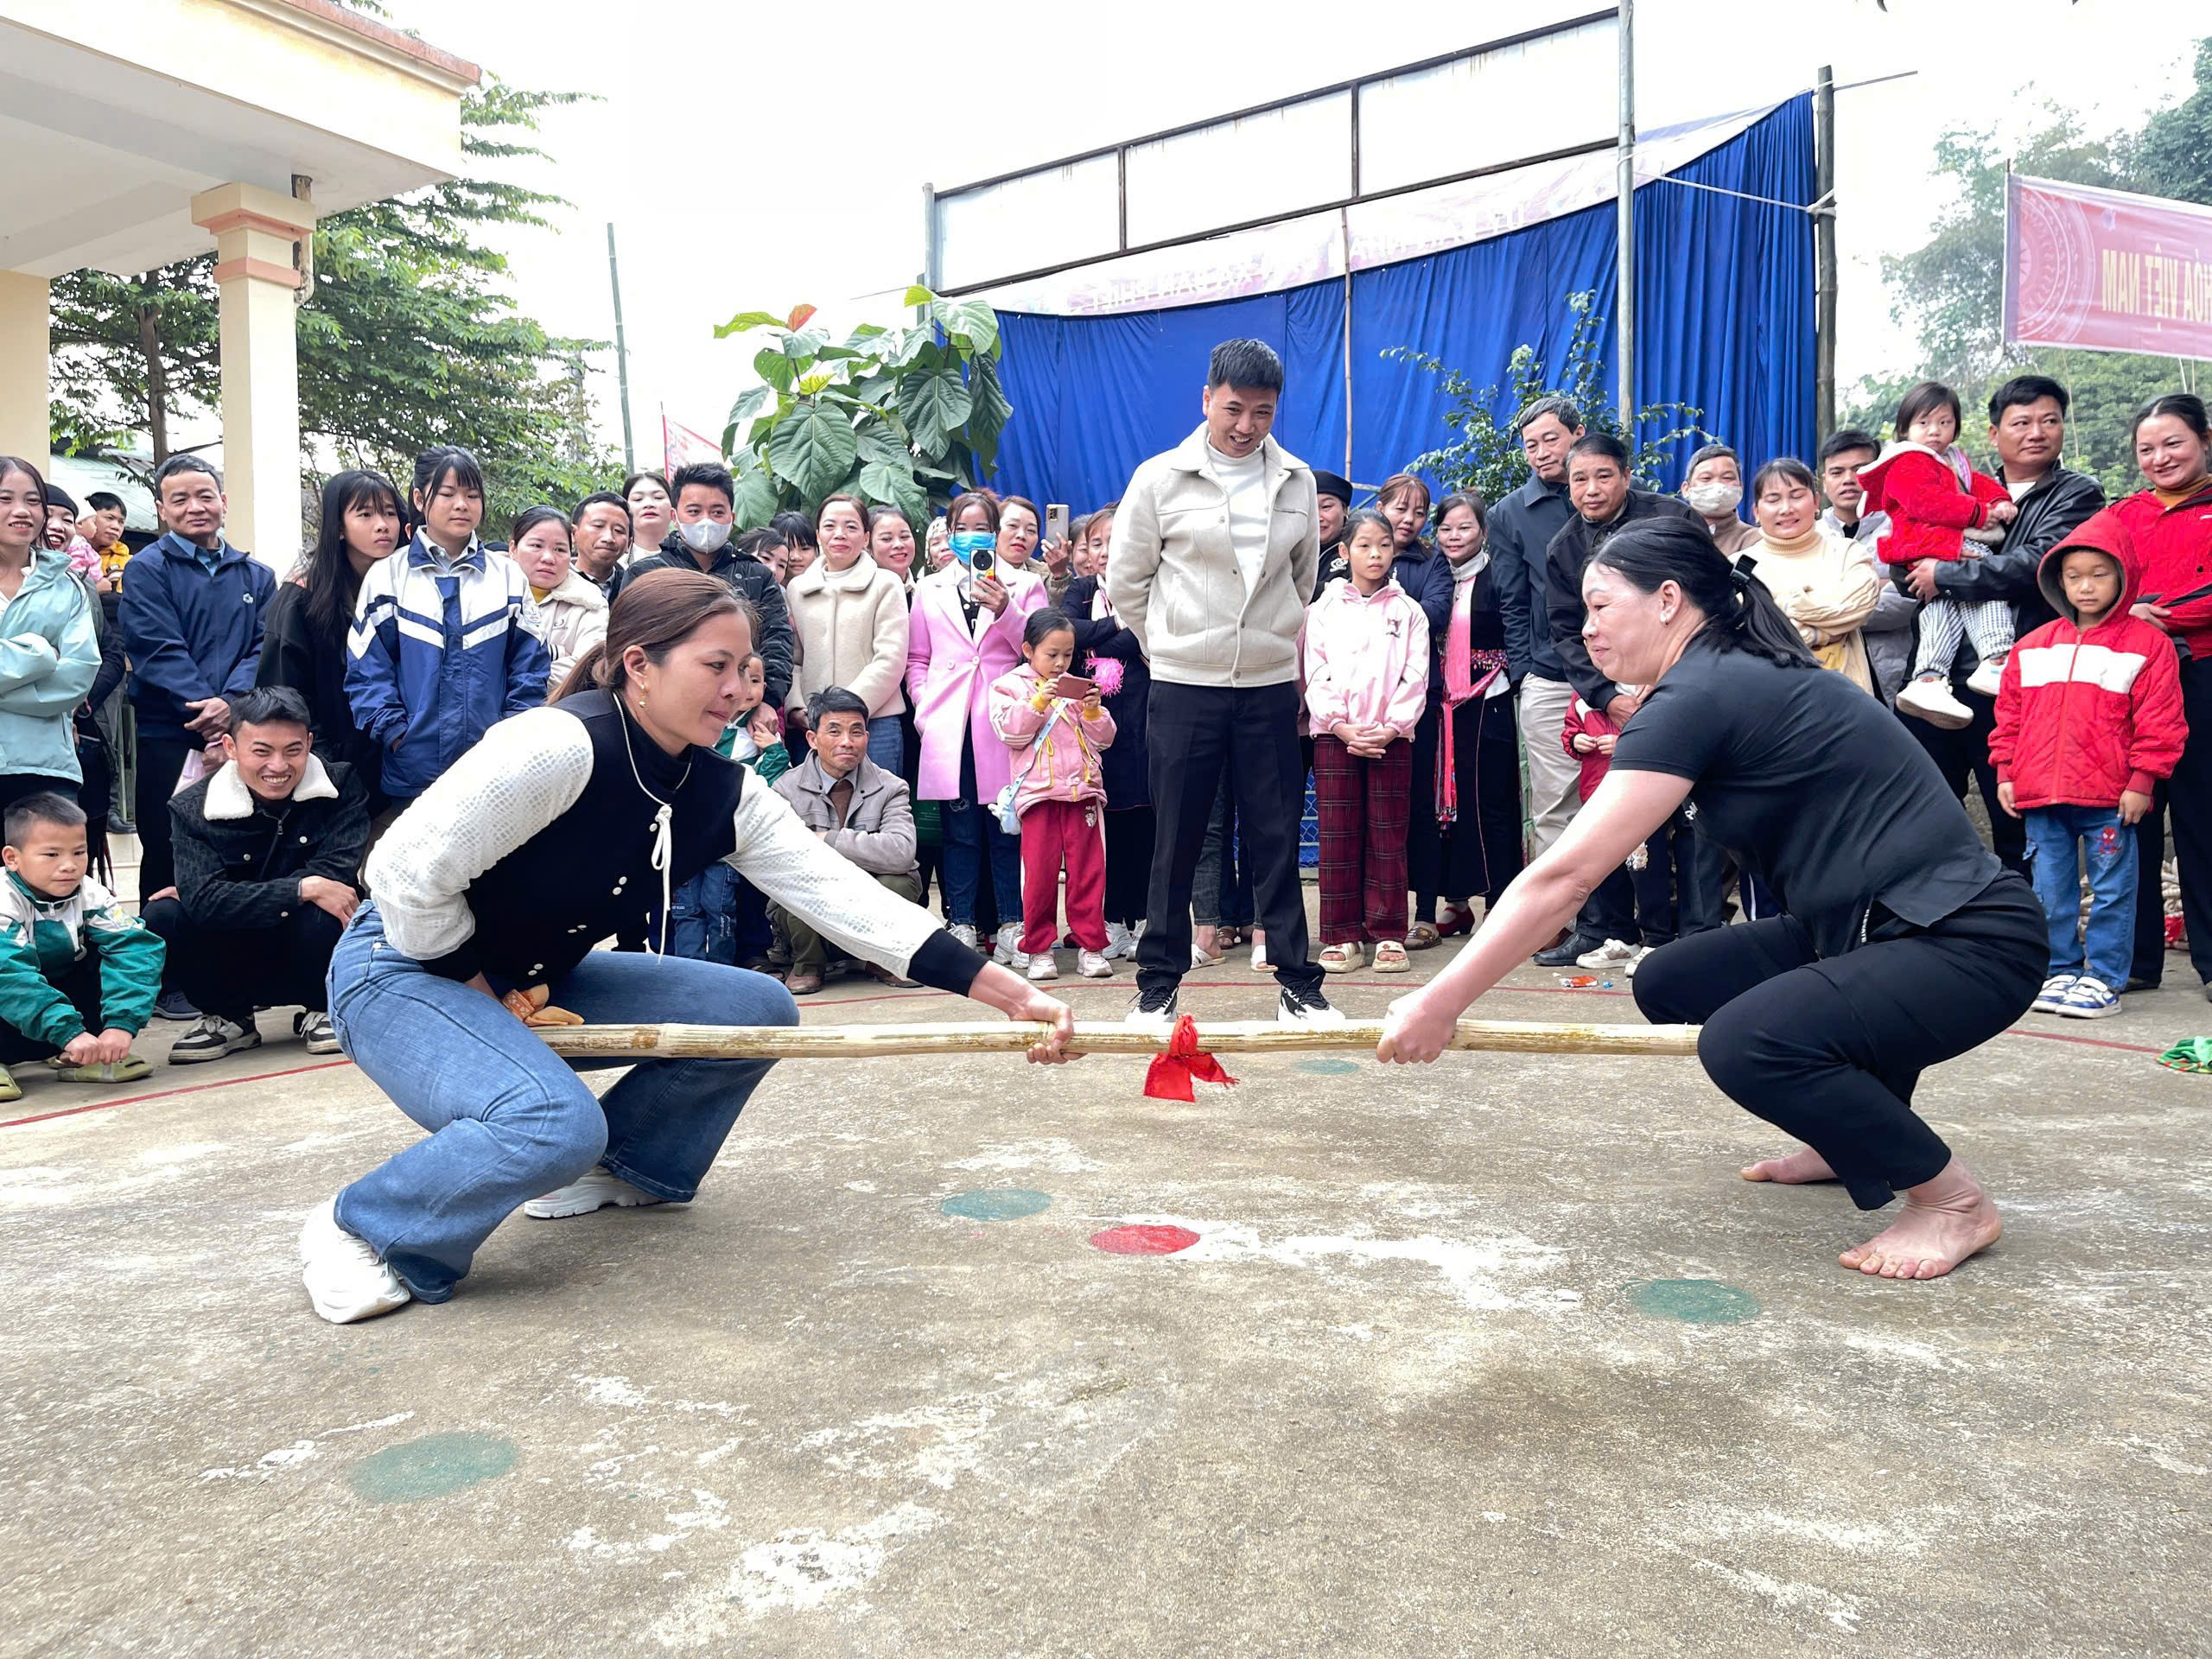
1901,942
564,826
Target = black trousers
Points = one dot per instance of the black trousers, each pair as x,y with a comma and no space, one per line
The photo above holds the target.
1965,753
232,971
161,762
1480,851
81,985
1198,736
16,786
2186,796
1829,1050
1129,831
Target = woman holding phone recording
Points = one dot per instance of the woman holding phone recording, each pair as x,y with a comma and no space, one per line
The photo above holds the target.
964,633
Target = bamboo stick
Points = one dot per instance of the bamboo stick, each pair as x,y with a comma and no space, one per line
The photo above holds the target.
1222,1036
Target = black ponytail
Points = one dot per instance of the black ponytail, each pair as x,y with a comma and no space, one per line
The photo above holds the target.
1740,613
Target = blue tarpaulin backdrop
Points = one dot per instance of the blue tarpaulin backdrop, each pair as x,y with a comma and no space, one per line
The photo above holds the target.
1723,323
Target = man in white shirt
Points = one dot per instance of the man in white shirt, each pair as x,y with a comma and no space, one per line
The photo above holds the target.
1216,545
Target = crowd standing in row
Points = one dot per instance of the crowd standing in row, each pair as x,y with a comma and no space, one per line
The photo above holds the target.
1101,739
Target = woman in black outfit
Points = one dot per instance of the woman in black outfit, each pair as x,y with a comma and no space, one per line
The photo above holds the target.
1464,837
1123,766
304,636
1901,942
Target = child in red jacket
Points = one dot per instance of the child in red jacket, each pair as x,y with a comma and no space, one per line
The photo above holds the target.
1633,910
1940,508
2088,719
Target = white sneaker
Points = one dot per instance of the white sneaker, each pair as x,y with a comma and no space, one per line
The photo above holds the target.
1613,953
965,932
315,1030
595,1189
2089,998
1306,1009
2052,998
344,1280
1154,1011
1931,700
1092,964
1987,678
1005,949
1042,966
1120,941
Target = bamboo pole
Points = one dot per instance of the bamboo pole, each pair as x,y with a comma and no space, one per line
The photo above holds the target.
1222,1037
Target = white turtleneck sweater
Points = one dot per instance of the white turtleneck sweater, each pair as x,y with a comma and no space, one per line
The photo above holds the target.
1246,482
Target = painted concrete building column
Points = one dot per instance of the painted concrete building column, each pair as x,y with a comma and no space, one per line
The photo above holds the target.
257,282
24,361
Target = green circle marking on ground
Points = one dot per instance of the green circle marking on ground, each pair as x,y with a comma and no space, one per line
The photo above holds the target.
431,1467
997,1204
1329,1068
1694,1301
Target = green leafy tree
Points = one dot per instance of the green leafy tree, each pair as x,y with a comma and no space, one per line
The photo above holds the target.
410,337
904,416
1487,456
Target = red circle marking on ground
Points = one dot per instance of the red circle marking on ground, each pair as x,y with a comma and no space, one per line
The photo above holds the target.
1144,1241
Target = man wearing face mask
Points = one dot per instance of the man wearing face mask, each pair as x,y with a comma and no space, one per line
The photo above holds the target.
1713,487
706,500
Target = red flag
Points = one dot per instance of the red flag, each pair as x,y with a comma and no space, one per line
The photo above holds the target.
681,446
1169,1076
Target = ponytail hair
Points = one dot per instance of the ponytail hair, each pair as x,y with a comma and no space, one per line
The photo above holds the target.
656,612
1740,613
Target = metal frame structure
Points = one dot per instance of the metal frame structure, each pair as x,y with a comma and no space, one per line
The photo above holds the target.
933,198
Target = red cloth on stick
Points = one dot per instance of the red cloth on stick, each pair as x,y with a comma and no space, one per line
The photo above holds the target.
1170,1075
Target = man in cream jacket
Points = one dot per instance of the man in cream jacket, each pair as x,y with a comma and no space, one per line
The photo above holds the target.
1215,548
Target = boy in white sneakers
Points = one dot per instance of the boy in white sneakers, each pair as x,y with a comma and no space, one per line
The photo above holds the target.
2088,719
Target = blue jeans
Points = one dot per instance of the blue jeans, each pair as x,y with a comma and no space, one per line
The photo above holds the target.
886,744
509,1119
2059,838
969,830
703,924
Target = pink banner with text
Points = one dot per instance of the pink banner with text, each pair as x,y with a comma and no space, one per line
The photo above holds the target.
2107,272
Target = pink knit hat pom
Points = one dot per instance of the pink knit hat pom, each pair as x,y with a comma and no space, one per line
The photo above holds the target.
1107,673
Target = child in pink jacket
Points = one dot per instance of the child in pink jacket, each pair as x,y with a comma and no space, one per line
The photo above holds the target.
1058,794
1365,658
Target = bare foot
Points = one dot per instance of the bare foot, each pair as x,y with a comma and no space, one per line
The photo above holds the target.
1944,1221
1794,1170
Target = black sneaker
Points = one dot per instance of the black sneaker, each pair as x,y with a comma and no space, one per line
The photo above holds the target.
211,1038
1154,1010
1563,954
174,1005
1298,1008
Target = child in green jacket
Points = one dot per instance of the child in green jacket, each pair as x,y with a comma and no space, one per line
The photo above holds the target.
78,977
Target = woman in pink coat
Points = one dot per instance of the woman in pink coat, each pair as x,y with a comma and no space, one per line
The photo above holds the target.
964,633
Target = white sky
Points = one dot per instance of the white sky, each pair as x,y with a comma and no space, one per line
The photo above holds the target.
751,156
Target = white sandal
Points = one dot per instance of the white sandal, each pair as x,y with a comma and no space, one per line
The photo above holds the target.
1343,958
1390,958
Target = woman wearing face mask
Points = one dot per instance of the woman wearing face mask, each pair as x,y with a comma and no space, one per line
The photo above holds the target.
571,613
565,825
1827,586
1465,834
304,636
849,619
966,633
1713,488
653,511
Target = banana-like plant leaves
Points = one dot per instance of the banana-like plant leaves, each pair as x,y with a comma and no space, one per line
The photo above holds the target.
937,405
812,447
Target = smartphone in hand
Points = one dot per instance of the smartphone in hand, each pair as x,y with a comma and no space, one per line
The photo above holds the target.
1074,687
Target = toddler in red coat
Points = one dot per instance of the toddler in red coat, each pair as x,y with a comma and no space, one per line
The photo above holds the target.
2088,720
1940,508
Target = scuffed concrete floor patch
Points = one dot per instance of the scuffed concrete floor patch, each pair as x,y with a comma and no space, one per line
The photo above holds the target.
1496,1357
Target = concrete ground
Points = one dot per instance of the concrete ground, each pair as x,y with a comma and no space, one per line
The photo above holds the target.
1499,1357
